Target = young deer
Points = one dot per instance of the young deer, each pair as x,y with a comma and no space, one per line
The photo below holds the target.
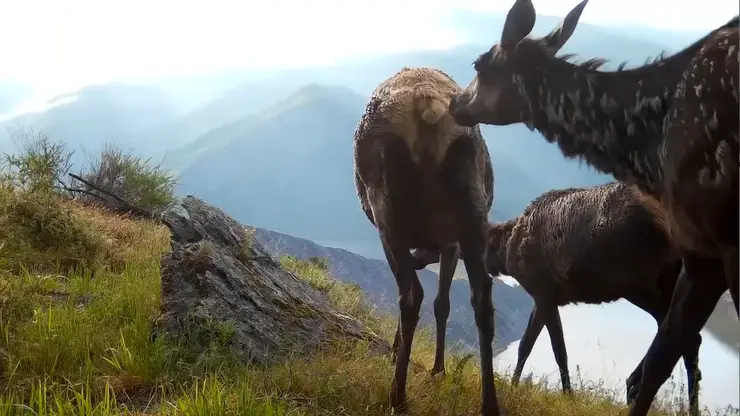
426,182
585,245
670,127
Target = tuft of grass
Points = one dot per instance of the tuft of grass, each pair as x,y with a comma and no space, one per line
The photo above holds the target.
346,297
79,341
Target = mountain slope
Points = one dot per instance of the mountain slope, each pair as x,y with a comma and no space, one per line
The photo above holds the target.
289,169
94,114
512,304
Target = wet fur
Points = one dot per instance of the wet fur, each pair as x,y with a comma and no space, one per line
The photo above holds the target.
575,237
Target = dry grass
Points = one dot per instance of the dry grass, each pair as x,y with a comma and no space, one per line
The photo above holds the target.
78,341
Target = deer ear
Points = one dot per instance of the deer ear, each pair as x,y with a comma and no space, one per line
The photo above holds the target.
557,38
519,22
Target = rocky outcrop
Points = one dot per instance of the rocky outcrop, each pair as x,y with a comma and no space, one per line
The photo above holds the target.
219,286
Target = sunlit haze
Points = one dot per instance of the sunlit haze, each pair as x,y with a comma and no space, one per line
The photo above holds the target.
57,45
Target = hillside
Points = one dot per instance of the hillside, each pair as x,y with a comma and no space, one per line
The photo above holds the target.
80,341
513,304
288,169
84,119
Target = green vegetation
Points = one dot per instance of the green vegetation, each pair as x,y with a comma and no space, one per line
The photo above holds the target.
79,299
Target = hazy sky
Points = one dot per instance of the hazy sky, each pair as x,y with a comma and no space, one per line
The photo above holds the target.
61,43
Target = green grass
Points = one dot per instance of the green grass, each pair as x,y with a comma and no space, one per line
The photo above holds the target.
76,339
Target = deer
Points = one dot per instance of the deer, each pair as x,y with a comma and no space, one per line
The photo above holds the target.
426,182
669,127
589,245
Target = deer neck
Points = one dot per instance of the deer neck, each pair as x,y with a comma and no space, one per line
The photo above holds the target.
612,120
498,241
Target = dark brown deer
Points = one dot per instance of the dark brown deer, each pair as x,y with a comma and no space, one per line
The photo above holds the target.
585,245
670,127
426,182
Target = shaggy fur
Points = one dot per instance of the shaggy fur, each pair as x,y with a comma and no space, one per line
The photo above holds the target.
584,245
670,127
426,182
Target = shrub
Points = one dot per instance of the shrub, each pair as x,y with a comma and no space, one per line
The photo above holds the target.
39,165
131,178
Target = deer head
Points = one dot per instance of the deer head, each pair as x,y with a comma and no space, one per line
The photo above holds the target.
496,95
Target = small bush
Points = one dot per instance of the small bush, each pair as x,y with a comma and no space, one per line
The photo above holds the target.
131,178
39,165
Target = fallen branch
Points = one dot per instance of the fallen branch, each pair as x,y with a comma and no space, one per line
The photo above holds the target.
125,206
79,191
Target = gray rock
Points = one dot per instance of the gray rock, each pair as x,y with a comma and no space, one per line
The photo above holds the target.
219,286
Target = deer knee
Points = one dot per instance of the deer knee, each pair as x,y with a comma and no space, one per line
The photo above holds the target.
410,301
441,306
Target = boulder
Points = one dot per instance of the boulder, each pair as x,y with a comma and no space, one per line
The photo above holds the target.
220,286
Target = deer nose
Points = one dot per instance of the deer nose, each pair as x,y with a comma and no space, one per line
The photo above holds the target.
452,108
460,114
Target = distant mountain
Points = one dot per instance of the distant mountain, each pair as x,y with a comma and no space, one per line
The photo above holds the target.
512,304
94,114
228,107
362,75
179,110
288,168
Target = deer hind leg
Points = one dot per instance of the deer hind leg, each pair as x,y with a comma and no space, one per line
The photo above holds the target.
448,262
555,328
410,296
698,288
473,247
531,333
657,304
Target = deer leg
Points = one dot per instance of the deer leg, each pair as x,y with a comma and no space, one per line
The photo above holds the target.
698,288
396,341
658,308
555,328
409,301
731,259
657,304
534,327
423,257
420,258
448,262
693,374
473,246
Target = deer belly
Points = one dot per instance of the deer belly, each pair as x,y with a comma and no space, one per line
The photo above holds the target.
436,226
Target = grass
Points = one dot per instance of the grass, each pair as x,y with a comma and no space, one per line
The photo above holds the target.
76,338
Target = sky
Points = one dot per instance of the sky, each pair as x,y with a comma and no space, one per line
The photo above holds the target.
61,44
